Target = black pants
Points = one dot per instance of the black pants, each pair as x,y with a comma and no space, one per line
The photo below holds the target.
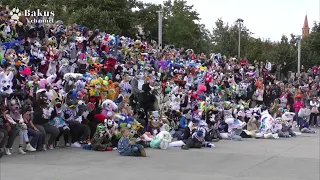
93,127
8,137
193,143
78,131
86,132
3,137
186,134
65,133
49,129
313,119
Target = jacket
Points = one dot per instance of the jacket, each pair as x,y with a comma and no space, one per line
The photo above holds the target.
123,145
298,105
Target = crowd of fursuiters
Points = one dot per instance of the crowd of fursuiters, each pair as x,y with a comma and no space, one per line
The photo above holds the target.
97,91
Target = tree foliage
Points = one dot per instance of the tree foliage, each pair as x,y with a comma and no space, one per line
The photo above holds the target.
226,37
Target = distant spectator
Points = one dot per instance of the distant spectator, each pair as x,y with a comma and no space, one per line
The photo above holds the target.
314,103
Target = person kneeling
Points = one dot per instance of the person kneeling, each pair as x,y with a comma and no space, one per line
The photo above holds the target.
128,147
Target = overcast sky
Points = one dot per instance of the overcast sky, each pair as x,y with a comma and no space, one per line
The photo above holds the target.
265,18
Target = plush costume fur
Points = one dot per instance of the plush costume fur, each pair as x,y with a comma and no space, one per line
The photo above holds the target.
70,80
304,114
154,122
235,126
101,140
6,82
175,102
109,65
161,140
11,56
267,126
108,108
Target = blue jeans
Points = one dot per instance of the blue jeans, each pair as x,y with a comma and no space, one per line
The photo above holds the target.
236,136
36,140
133,150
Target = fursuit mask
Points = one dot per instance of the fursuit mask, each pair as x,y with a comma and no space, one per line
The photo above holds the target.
14,105
43,98
6,82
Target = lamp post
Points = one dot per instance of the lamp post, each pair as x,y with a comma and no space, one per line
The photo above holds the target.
239,21
299,52
159,29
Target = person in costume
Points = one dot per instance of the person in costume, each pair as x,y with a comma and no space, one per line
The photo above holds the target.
146,99
101,140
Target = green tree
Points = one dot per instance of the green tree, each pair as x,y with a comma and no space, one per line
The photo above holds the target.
285,52
182,28
102,20
310,48
226,39
114,15
254,49
147,18
222,39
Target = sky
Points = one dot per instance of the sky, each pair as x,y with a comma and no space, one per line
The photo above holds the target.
267,19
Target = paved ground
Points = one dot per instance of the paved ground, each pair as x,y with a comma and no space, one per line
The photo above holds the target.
251,159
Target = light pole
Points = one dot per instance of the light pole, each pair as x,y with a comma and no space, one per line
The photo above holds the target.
239,21
299,52
159,29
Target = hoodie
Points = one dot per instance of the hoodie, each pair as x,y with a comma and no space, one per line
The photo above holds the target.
298,105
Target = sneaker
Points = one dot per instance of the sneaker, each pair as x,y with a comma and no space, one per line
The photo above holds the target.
7,151
185,147
56,144
114,149
44,147
21,151
275,136
30,148
83,142
67,145
210,145
76,145
143,153
109,149
50,146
